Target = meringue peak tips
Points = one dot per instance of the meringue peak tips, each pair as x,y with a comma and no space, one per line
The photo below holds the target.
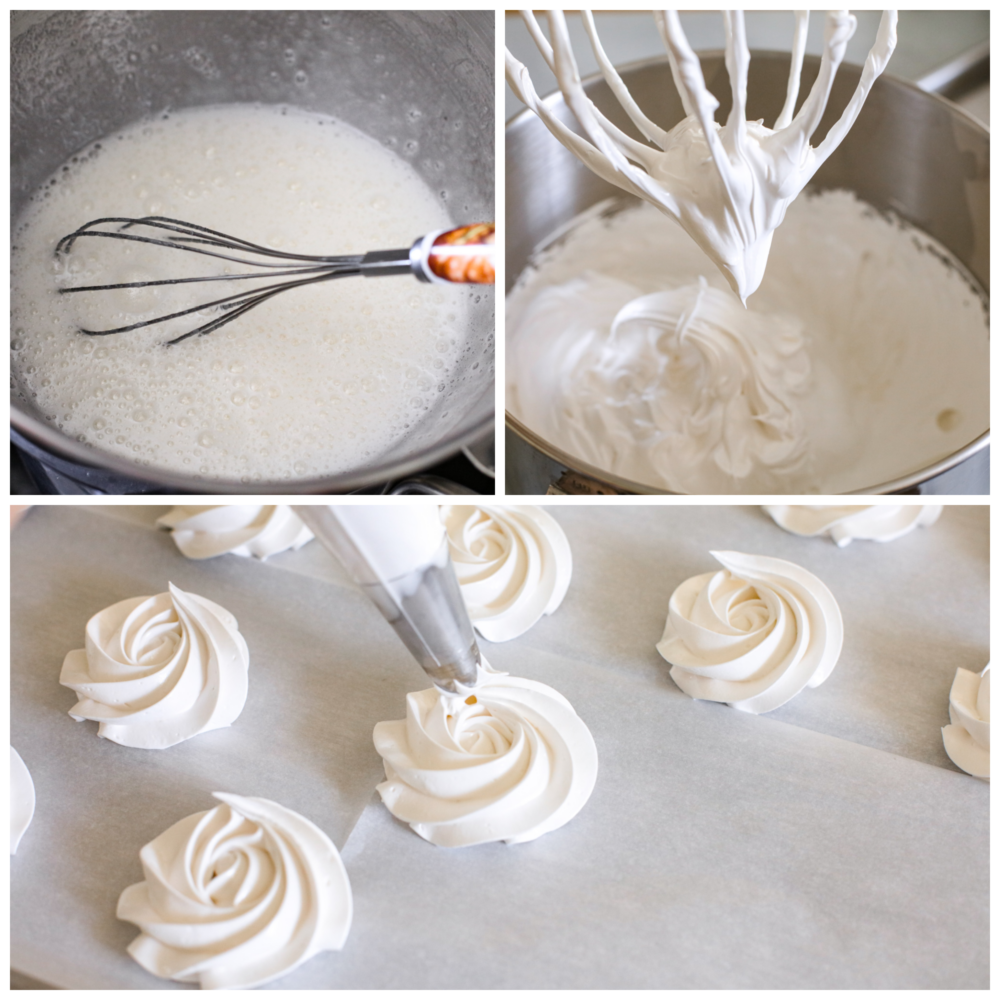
237,896
753,634
728,185
967,739
156,671
511,761
202,532
843,523
513,565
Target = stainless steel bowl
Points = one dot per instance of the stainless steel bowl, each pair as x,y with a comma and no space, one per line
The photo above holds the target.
78,76
910,152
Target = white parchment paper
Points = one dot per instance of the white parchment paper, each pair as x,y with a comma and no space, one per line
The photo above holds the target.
829,844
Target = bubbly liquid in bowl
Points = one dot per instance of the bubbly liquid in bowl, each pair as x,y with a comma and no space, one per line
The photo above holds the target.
316,381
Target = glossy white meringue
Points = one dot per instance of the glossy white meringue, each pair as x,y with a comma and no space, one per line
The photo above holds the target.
237,896
753,634
242,529
878,523
506,760
967,739
22,799
159,670
513,565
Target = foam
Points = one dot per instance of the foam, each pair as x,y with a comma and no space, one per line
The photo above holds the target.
316,381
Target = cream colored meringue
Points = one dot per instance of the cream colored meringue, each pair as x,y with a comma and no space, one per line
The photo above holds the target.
159,670
22,799
237,896
506,760
513,565
967,739
753,634
242,529
877,523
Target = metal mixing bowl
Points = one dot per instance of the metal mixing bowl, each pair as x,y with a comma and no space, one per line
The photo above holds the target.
909,152
78,76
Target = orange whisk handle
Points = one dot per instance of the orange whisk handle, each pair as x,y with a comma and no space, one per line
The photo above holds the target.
463,255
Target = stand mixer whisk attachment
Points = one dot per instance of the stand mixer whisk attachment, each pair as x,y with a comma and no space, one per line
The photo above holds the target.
727,185
463,255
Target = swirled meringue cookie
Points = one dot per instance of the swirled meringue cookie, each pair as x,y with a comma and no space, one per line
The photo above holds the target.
22,799
513,565
159,670
753,634
242,529
506,760
967,739
877,523
237,896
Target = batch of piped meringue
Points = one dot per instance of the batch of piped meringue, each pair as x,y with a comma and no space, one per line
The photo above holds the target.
243,893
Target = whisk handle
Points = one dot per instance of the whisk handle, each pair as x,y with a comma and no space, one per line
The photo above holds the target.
462,255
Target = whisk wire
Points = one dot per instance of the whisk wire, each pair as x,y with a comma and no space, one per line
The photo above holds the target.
425,260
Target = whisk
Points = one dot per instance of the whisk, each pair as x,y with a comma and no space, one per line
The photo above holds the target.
462,255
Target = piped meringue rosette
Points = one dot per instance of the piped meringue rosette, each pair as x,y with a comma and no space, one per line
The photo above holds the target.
22,799
507,760
159,670
513,565
967,739
237,896
242,529
753,634
878,523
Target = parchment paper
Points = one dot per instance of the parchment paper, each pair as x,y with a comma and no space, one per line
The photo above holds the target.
829,844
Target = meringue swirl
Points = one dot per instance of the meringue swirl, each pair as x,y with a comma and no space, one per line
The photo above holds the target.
753,634
22,799
237,896
159,670
967,739
513,565
242,529
881,523
506,760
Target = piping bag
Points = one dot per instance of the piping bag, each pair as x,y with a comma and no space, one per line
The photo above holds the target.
399,557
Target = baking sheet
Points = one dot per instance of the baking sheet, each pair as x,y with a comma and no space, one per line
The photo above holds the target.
828,844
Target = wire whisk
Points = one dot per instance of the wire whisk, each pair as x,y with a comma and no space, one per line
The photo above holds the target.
462,255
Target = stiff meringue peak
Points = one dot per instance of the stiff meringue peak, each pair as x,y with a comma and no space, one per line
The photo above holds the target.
237,896
967,739
513,565
506,760
242,529
877,523
752,634
159,670
22,799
